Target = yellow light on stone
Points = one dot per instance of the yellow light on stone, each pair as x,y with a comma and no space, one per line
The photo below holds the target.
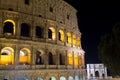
70,59
76,60
53,33
74,40
61,35
69,37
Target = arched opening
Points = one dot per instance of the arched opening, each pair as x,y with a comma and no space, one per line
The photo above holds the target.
70,78
27,2
96,74
70,59
61,62
52,78
10,9
24,56
25,30
9,27
61,35
39,79
91,75
39,31
51,9
62,78
7,56
61,59
75,60
103,75
76,77
39,59
69,38
74,40
50,59
81,77
51,33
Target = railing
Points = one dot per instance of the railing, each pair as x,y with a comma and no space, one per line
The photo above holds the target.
28,67
61,67
8,67
69,67
23,67
51,66
40,67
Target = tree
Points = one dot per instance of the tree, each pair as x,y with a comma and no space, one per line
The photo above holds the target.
109,50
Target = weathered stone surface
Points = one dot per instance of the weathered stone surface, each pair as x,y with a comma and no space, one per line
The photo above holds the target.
45,14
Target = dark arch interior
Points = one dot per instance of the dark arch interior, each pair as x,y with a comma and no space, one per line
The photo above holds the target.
38,58
50,58
8,27
59,36
25,30
50,33
96,74
38,32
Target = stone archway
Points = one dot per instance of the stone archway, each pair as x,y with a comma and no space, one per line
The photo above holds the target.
52,78
50,58
39,79
51,33
25,30
70,78
9,27
81,77
23,78
39,57
7,56
96,74
62,78
76,77
24,56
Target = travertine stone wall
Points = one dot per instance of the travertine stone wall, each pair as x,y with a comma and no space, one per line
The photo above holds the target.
41,8
44,13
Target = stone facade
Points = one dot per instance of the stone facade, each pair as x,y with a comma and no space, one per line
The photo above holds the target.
98,71
40,40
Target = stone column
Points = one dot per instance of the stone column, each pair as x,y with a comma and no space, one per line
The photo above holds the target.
57,58
57,35
73,59
46,60
105,69
16,56
33,31
33,57
71,39
66,59
46,30
18,28
1,25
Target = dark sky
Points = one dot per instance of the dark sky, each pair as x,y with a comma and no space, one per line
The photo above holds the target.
95,18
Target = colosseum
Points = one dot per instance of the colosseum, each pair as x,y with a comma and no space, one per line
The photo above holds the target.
40,40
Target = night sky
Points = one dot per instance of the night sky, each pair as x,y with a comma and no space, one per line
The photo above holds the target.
95,18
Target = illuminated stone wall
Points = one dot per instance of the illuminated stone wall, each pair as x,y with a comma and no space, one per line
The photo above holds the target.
98,71
56,10
39,37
